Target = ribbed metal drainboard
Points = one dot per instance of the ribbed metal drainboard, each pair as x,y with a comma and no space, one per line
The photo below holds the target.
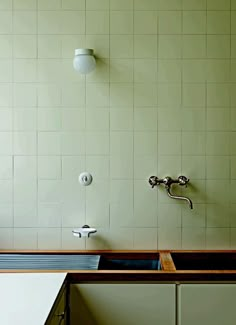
48,262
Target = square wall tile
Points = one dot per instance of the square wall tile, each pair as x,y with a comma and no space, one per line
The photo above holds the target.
97,4
147,5
121,22
145,238
52,5
24,22
217,238
24,143
193,238
121,5
6,191
218,95
73,119
121,95
49,167
72,143
6,5
193,119
217,216
193,143
194,70
145,70
218,143
121,46
217,167
19,98
218,22
166,167
219,71
197,218
169,22
144,166
6,22
121,119
6,119
49,46
49,215
97,143
98,166
169,215
25,238
25,167
145,46
49,120
97,22
73,4
218,5
194,95
194,4
169,237
145,94
28,195
145,119
24,4
6,143
169,143
169,4
6,238
194,166
6,215
194,22
169,95
72,22
145,143
25,215
6,167
25,46
49,238
6,43
194,46
49,143
218,119
218,46
145,22
121,70
25,119
169,47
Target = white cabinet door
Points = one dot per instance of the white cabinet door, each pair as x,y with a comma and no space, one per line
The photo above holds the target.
207,304
122,304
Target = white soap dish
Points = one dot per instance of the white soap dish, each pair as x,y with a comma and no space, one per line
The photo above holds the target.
84,231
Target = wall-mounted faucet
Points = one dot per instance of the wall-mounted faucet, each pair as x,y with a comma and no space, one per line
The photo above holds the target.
168,181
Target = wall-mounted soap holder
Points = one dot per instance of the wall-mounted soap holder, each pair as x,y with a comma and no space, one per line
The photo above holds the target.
167,182
84,231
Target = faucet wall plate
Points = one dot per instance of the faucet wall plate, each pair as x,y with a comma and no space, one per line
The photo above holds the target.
85,179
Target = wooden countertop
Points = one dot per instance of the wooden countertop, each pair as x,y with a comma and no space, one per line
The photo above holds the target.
169,272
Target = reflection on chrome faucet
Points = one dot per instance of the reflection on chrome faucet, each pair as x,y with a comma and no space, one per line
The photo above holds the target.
168,181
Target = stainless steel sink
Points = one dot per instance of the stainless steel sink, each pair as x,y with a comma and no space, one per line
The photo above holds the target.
26,261
204,260
128,264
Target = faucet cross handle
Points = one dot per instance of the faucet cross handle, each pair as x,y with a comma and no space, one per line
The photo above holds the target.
183,180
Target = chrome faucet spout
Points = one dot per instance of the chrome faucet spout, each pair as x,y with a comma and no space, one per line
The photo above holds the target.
177,197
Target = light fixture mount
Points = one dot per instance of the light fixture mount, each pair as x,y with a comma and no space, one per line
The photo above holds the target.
84,60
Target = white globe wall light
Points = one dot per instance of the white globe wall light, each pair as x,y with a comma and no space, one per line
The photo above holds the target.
84,61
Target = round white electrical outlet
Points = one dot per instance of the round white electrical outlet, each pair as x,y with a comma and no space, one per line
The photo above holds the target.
85,179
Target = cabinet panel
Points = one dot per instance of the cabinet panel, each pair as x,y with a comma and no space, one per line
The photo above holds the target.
122,304
207,304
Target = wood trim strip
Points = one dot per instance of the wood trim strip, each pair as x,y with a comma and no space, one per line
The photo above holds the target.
167,262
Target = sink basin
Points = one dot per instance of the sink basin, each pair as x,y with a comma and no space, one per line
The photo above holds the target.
204,260
26,261
128,264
